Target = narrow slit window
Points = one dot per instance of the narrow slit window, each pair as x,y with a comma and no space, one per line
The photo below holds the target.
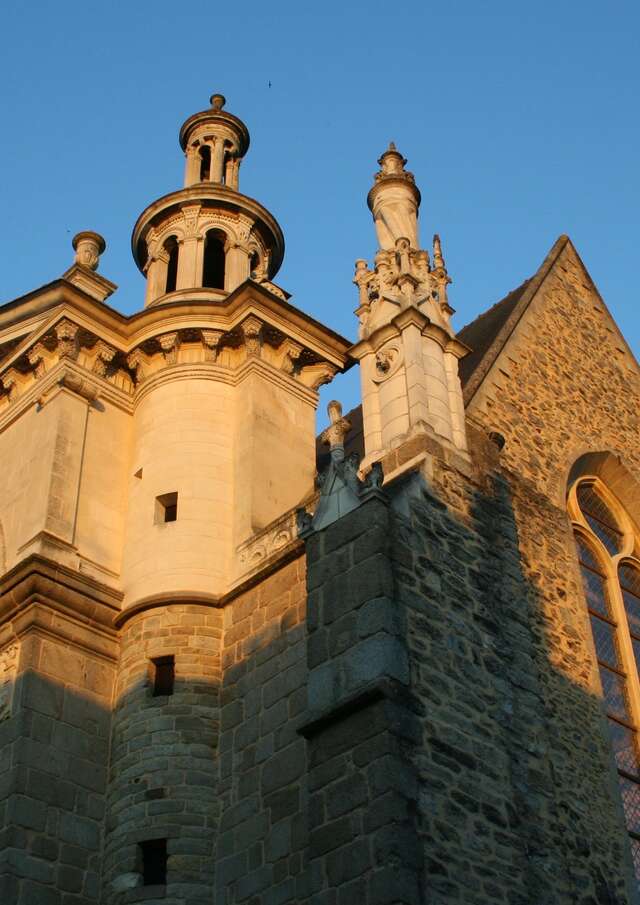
166,508
164,674
154,862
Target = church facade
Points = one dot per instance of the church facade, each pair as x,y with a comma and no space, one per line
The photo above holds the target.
393,665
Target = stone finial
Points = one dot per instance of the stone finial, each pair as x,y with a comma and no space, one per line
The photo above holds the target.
438,260
335,434
217,101
88,247
392,162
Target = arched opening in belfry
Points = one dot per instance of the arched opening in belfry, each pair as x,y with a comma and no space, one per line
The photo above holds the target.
205,163
171,248
214,260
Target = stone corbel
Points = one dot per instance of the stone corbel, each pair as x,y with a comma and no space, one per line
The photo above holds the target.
37,358
11,381
252,332
291,352
211,341
68,339
314,376
170,343
138,363
104,354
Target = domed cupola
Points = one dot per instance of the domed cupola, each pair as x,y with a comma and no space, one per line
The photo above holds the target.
205,240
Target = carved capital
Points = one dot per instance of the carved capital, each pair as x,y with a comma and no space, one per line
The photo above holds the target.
191,214
104,354
68,339
252,333
211,341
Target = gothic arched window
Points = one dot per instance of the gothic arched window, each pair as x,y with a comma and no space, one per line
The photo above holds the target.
610,568
213,266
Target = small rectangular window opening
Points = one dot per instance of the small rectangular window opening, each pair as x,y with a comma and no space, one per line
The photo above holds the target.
154,862
166,508
164,673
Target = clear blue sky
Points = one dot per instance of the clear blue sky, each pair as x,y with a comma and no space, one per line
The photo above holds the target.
519,120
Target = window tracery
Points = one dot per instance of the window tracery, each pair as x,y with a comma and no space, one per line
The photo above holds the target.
606,539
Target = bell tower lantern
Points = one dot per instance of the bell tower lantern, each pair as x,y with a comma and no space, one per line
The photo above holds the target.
214,143
206,239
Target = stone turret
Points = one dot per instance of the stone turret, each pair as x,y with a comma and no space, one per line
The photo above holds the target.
202,242
407,349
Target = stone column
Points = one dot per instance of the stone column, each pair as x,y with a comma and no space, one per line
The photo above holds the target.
217,160
188,277
156,277
192,167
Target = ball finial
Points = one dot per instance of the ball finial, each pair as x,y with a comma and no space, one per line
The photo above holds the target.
217,101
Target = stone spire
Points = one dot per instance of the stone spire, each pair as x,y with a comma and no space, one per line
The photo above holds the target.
205,240
407,348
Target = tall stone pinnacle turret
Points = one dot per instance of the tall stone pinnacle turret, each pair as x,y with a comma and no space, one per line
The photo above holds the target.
206,239
407,349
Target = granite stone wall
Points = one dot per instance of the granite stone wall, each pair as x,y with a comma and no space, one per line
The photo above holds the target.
163,775
261,847
54,749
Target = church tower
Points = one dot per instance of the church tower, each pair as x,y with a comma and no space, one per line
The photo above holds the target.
207,239
406,346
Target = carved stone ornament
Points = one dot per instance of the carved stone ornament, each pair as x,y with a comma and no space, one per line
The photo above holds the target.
137,361
388,360
169,343
8,670
36,359
252,333
88,247
211,340
291,353
334,435
104,354
68,340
